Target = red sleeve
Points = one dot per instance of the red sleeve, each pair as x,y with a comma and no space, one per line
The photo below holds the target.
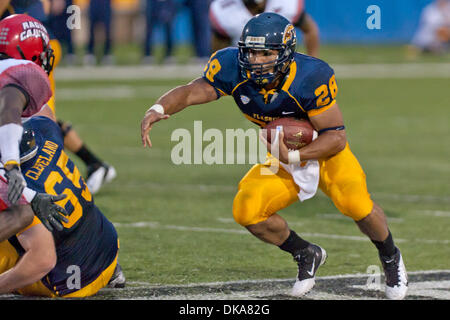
3,193
33,81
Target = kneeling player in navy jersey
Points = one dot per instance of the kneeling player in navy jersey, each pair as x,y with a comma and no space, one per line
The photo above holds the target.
75,262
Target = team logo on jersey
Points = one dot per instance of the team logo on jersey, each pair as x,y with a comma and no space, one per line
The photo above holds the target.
289,33
33,29
245,99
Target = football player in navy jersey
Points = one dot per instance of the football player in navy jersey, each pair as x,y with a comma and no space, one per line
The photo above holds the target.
80,259
267,80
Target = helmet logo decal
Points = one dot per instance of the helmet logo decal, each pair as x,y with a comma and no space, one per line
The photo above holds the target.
255,41
33,29
3,36
288,34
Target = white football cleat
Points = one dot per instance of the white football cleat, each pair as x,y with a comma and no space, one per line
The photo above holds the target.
98,177
396,277
309,260
117,279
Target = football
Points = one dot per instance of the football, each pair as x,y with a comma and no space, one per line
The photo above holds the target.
297,132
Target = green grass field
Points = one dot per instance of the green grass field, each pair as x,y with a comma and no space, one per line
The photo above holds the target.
397,128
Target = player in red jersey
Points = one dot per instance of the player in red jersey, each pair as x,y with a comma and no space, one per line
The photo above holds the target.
228,18
26,59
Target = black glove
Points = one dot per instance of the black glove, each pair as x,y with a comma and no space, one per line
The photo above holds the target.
48,211
16,183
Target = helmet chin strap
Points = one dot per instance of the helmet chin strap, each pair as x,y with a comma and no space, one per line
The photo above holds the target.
21,52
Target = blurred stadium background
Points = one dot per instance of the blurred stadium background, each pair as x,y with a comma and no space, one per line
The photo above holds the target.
175,222
344,35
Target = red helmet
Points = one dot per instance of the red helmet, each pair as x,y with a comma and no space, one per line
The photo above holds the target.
23,37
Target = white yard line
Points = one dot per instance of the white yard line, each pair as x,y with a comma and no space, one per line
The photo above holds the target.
435,289
339,216
434,213
412,197
143,284
251,295
431,289
409,198
157,225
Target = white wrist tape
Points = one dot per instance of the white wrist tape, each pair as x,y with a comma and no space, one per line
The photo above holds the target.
158,108
10,137
29,194
294,157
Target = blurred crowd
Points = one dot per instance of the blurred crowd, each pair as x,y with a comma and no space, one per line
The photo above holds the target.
433,33
140,20
212,24
98,29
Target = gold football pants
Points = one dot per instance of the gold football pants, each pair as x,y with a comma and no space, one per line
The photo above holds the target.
341,178
9,258
57,51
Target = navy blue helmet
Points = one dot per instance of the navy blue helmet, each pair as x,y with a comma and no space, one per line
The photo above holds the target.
267,31
28,147
252,2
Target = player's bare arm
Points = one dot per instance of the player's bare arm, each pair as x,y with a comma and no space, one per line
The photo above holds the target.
196,92
311,37
12,103
38,260
14,219
331,140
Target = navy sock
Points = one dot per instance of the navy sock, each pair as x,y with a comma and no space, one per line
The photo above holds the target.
386,248
293,244
88,157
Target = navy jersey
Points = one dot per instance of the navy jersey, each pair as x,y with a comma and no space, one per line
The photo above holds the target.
89,241
308,88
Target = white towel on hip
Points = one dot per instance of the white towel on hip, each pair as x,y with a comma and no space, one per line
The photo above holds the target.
305,175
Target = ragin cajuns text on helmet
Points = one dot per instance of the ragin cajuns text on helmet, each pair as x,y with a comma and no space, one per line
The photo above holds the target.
23,37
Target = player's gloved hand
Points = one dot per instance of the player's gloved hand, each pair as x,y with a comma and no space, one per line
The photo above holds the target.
48,211
16,183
